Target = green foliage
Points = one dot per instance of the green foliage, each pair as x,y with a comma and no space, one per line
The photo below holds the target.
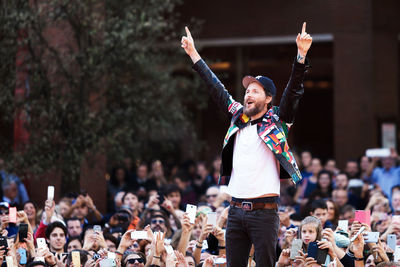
103,79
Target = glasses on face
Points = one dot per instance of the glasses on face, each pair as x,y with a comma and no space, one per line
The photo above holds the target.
132,261
211,196
159,221
3,212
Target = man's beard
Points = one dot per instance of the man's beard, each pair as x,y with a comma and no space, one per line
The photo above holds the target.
258,107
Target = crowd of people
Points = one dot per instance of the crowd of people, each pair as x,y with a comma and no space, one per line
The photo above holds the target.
146,223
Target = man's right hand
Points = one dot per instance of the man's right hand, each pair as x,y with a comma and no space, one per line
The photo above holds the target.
187,44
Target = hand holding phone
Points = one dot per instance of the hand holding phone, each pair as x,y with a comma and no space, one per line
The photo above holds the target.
357,234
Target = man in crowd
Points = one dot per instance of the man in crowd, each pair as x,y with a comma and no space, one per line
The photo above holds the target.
56,236
74,227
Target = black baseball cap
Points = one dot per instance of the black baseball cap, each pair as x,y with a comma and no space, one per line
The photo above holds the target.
265,82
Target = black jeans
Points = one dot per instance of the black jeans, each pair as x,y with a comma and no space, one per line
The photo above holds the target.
244,228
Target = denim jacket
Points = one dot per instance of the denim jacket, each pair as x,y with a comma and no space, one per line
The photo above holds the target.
272,129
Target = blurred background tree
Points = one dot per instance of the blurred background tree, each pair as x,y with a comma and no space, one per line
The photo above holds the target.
98,77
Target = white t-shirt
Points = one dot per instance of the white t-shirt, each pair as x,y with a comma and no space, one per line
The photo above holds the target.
254,166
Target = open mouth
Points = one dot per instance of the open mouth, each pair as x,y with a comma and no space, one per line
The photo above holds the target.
249,103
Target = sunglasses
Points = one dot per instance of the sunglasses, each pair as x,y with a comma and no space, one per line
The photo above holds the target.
132,261
155,221
211,196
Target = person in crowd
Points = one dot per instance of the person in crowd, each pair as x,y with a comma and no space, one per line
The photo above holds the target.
56,236
319,209
305,159
347,212
365,165
186,189
22,193
216,169
352,169
157,174
330,165
333,212
340,197
211,195
386,176
395,201
74,243
84,209
324,186
74,227
143,183
203,180
30,209
131,201
309,184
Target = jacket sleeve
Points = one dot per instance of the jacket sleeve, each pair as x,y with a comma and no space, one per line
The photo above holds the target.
216,89
40,232
293,92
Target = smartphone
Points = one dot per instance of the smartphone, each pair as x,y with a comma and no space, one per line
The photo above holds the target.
321,255
50,192
169,249
397,254
344,225
3,242
295,249
363,216
378,152
97,228
12,214
22,232
391,241
111,255
312,250
218,261
107,263
160,197
212,218
357,234
10,261
396,218
139,235
371,237
41,242
22,254
76,258
191,211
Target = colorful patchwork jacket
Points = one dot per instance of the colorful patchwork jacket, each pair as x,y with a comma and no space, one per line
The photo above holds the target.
272,128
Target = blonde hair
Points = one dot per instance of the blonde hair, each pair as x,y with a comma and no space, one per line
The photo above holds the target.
312,220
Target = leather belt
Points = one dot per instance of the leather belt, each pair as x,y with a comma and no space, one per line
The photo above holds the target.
249,206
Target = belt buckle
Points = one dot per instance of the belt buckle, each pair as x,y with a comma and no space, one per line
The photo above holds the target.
247,206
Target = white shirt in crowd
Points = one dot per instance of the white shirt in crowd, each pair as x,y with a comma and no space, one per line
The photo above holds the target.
254,166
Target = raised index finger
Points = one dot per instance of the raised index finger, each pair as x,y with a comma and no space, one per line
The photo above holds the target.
303,30
187,32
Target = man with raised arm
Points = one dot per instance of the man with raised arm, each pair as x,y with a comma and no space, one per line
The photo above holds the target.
254,149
